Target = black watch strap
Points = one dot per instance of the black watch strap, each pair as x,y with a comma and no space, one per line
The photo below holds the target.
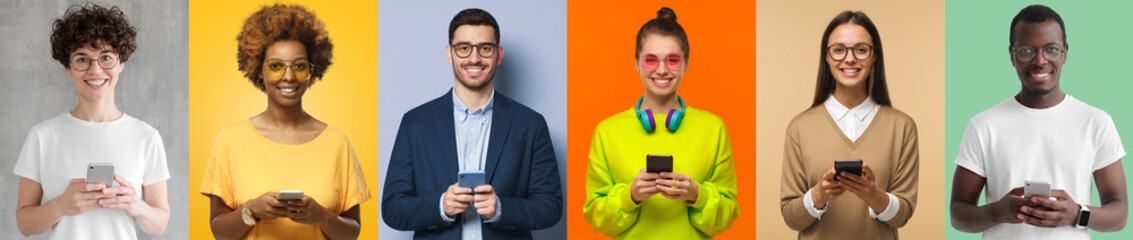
1083,217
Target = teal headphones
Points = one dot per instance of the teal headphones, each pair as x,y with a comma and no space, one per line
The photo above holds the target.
672,122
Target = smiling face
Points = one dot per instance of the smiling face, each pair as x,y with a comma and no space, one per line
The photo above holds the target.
850,72
661,78
96,82
1040,75
475,71
286,90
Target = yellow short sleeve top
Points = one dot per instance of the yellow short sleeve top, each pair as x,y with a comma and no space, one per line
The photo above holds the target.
244,165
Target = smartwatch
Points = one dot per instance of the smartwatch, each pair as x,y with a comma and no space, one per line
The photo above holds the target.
1083,217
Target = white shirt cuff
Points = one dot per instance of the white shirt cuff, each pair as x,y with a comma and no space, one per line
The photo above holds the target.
442,205
890,210
808,203
499,207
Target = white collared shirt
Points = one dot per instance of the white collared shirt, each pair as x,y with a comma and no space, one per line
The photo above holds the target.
853,123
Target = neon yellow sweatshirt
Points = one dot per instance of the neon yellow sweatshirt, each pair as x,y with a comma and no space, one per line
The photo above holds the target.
700,148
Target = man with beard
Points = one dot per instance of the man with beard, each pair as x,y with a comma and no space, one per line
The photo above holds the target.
1043,135
472,129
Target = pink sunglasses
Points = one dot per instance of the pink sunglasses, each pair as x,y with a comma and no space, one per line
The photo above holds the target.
673,61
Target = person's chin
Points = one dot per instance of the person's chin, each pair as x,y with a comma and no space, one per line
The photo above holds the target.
851,82
474,84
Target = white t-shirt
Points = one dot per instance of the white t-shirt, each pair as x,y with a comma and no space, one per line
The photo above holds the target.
1063,145
59,149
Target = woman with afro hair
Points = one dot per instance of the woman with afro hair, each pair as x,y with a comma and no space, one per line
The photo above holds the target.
282,174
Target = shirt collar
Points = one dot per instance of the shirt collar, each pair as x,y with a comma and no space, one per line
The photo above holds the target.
459,107
838,111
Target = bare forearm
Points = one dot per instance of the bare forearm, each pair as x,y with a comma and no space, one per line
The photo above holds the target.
229,225
153,220
970,218
1110,217
339,227
37,219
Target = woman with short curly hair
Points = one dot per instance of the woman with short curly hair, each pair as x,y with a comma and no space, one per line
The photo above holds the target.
92,43
282,174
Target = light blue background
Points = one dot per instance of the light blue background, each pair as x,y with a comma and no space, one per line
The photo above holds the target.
413,70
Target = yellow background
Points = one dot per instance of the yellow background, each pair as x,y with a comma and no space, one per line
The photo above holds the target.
219,95
788,35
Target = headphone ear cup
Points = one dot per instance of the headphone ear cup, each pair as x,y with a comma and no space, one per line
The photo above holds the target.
646,118
673,121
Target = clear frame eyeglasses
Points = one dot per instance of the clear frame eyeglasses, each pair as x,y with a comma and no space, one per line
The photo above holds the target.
1026,53
82,62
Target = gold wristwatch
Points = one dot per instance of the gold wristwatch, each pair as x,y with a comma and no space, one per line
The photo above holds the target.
246,214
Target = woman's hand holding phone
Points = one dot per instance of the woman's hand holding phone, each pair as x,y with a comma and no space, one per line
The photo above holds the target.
644,186
307,211
864,187
826,190
79,197
123,197
678,186
266,207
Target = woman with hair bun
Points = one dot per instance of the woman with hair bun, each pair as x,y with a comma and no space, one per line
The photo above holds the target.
691,197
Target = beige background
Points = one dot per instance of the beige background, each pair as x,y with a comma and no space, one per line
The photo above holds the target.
788,34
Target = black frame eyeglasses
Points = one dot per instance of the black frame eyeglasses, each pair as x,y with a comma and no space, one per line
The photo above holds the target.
464,50
1026,53
861,51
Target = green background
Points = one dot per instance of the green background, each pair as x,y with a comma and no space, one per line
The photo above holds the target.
979,74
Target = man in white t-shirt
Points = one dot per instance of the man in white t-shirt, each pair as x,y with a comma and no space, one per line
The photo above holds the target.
1041,135
92,43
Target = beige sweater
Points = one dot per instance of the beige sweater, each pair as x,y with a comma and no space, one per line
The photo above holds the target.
814,141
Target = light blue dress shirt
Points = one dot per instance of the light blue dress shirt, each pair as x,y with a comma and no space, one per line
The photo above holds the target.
473,127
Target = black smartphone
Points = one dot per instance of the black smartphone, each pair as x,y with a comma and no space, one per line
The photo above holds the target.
853,166
658,163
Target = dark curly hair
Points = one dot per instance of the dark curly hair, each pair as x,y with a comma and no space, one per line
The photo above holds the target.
280,23
92,24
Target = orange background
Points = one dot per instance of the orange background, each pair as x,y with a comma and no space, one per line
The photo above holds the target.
603,81
912,33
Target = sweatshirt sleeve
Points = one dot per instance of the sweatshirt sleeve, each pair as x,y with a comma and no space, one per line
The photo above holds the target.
716,208
609,207
794,184
903,184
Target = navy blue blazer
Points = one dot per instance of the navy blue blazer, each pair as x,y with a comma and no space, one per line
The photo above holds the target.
520,166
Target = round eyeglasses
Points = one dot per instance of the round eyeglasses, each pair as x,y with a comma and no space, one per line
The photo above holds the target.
838,52
82,62
1027,53
274,69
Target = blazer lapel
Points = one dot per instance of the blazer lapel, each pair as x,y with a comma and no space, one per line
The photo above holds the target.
446,136
501,124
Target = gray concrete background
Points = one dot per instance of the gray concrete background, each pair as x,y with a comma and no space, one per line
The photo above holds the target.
153,87
411,40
